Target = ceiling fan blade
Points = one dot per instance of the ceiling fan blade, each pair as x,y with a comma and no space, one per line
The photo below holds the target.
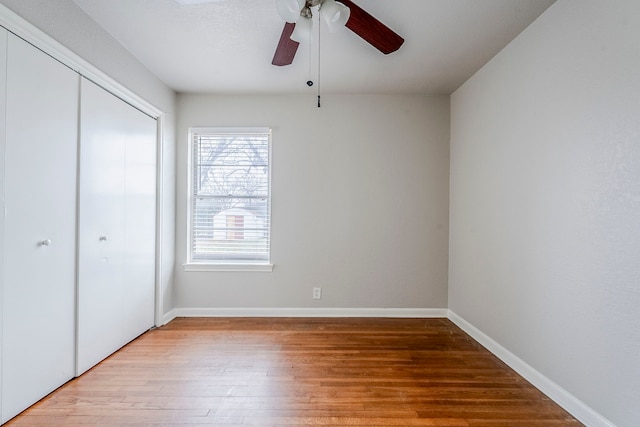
371,30
286,50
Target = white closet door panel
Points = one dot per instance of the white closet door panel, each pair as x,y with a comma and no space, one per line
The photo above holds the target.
3,97
109,135
39,243
101,228
140,226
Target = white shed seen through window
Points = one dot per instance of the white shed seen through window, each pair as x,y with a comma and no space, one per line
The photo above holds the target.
230,206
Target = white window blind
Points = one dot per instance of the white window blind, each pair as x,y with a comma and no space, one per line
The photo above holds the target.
230,217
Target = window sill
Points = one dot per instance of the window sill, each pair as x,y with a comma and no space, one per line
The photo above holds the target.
227,267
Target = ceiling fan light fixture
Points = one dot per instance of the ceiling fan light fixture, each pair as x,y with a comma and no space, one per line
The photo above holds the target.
335,14
303,30
289,10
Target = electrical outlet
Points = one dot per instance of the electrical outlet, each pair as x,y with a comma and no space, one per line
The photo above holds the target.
317,293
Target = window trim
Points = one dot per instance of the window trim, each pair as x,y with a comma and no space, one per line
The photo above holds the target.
223,265
226,266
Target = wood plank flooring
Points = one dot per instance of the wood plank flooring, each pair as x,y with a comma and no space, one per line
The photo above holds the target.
300,372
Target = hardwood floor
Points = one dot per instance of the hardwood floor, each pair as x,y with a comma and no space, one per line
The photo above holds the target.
300,372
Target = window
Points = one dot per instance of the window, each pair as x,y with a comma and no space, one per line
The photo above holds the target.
230,200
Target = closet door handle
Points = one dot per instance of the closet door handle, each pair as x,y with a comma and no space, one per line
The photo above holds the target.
44,242
104,238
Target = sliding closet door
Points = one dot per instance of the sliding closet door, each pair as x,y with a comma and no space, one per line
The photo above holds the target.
3,98
116,266
38,304
139,222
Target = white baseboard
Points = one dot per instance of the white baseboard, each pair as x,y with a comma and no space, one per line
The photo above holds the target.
168,317
569,402
306,312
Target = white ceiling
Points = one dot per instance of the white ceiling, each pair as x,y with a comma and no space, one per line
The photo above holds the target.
226,46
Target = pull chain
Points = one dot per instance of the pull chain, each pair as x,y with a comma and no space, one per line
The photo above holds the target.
319,53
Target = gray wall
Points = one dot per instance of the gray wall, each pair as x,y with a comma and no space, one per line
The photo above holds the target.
360,202
545,201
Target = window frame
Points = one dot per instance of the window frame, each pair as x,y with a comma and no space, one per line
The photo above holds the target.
224,264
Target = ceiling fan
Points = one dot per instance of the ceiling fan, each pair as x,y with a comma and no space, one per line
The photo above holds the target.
297,13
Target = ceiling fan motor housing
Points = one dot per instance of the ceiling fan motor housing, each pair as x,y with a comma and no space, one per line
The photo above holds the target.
338,13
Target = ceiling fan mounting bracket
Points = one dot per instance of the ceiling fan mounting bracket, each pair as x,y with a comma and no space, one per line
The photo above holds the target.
306,12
